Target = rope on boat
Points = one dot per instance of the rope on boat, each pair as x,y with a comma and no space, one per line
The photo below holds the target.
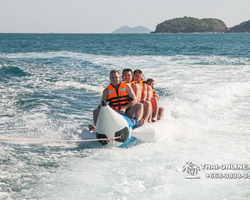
47,140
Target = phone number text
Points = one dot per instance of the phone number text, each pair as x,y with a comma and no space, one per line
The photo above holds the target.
227,176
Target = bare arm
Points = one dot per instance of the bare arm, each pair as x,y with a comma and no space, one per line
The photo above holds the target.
105,95
137,90
131,94
156,96
150,91
144,92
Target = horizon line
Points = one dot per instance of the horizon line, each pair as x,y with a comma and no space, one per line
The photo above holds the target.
62,33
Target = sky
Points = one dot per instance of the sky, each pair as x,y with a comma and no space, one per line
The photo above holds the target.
104,16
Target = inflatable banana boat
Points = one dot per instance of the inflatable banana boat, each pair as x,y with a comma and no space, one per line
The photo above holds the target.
120,129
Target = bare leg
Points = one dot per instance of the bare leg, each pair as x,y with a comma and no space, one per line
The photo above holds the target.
147,111
139,123
95,117
160,113
155,108
135,111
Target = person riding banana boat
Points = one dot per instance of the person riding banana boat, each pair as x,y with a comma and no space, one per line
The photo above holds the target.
157,112
146,94
121,98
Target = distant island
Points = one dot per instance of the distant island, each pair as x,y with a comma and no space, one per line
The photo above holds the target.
138,29
191,25
244,27
194,25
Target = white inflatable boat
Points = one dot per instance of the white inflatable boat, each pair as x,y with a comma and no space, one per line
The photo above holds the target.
120,129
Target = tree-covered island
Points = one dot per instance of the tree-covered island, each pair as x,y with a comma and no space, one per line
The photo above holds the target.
191,25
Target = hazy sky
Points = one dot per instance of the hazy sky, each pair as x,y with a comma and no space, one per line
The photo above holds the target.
104,16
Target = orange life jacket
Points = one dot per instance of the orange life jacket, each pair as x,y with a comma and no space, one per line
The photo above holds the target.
129,83
118,98
133,82
140,83
153,92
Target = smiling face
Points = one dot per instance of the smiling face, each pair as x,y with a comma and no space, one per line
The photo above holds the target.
127,76
114,78
151,83
138,77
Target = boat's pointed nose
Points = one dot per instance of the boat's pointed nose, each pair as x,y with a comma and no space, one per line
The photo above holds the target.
111,124
104,103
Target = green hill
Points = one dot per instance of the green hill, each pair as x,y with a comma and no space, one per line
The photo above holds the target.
244,27
191,25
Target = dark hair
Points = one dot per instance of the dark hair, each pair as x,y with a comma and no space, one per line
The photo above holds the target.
138,71
127,70
114,71
150,80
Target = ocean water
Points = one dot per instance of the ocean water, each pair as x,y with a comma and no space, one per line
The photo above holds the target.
50,83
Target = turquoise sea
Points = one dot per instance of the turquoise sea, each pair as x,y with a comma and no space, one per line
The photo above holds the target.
50,83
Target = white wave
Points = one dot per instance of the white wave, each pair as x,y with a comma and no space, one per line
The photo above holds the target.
71,84
206,121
